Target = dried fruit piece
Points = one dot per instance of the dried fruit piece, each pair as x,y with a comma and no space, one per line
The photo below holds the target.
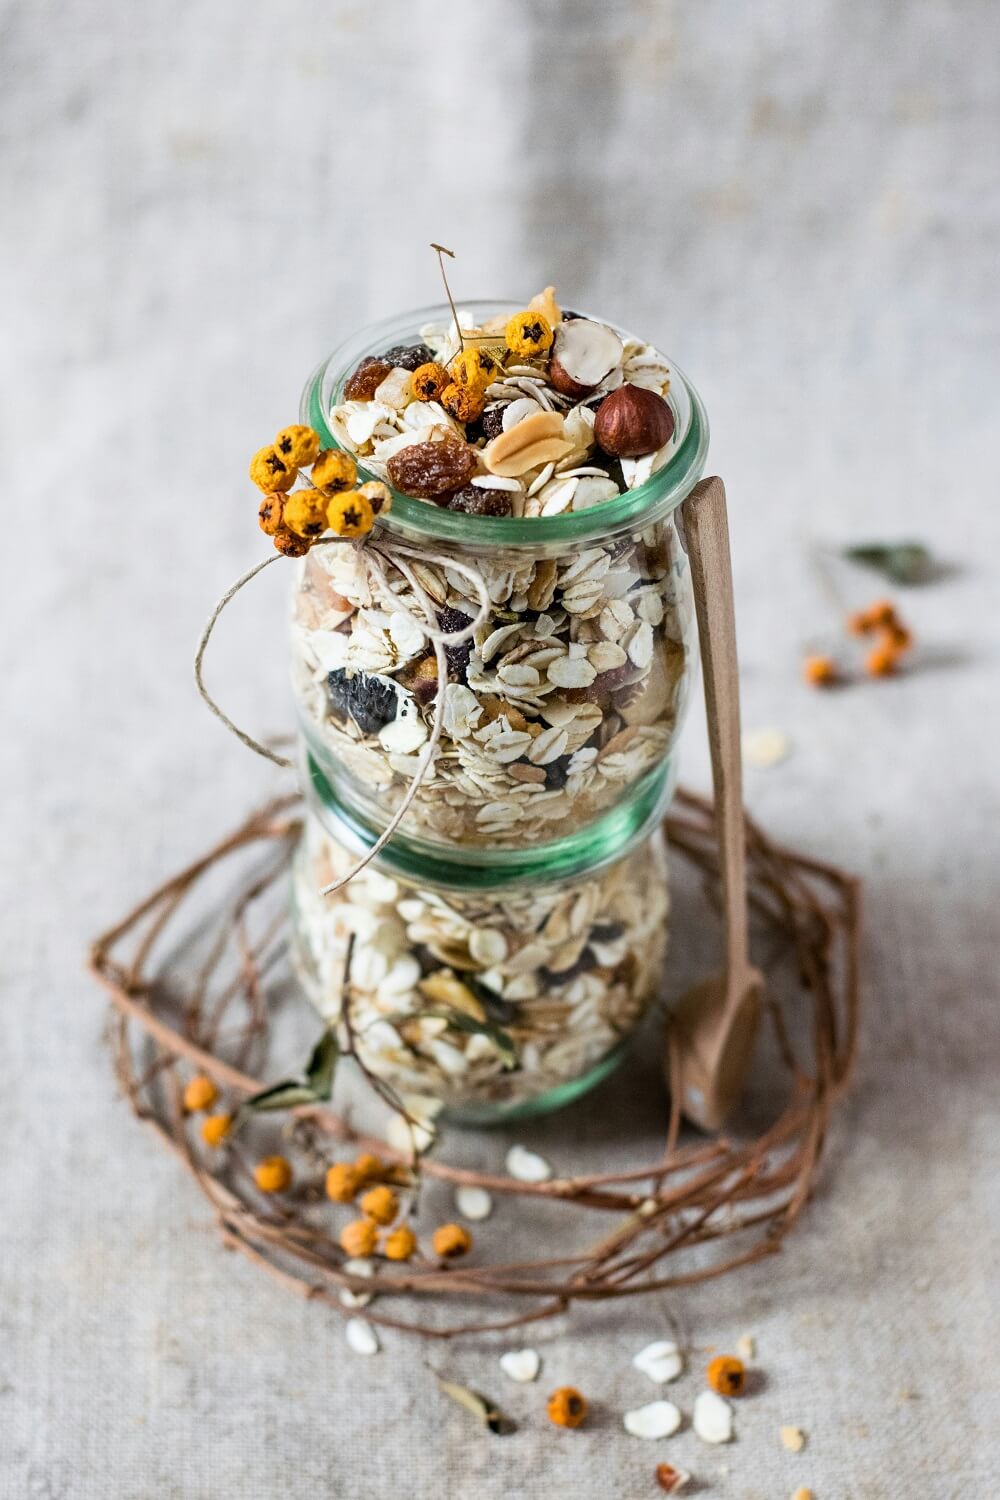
200,1093
334,470
451,621
215,1128
492,422
566,1407
658,1419
528,334
350,514
408,356
359,1238
367,378
584,352
633,421
727,1375
882,661
428,381
269,471
273,1174
450,1241
380,1204
289,543
529,444
475,367
305,512
464,402
820,671
400,1244
670,1480
298,445
473,500
269,513
370,701
342,1182
432,470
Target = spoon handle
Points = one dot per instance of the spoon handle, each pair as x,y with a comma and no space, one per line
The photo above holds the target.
707,534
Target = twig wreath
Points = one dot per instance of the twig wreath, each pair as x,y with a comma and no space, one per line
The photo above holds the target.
733,1202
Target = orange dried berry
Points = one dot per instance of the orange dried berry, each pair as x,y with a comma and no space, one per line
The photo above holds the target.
215,1128
881,614
269,471
273,1174
428,381
334,471
298,445
820,671
475,368
290,543
305,513
882,661
859,623
200,1093
451,1240
727,1375
378,495
464,402
528,333
359,1238
269,513
368,1166
400,1243
566,1407
900,637
350,514
342,1182
380,1204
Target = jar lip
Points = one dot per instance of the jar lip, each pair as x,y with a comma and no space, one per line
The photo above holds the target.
608,839
411,517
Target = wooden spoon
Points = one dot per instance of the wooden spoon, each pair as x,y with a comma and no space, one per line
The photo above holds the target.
715,1023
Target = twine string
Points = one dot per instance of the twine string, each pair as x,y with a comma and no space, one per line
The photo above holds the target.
373,554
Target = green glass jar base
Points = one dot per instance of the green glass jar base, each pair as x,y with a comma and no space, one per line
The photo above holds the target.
484,1115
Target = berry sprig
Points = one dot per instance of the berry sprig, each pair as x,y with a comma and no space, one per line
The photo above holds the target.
328,500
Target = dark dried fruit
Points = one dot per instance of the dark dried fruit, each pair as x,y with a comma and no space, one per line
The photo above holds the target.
366,379
408,356
492,421
432,470
421,679
474,501
370,701
557,771
586,961
451,621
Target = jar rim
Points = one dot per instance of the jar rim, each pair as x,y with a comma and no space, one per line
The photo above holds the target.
609,838
415,518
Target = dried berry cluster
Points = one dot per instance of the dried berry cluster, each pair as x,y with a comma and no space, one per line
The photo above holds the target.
328,501
891,642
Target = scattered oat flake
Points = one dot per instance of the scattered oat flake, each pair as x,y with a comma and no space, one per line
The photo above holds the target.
361,1336
356,1268
661,1361
527,1166
793,1438
746,1348
521,1365
763,748
473,1203
659,1419
713,1418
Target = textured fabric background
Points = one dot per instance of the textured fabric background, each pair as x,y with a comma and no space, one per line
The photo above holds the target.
800,203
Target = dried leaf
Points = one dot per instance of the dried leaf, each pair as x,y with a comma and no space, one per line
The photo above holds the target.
315,1088
458,1021
481,1407
902,562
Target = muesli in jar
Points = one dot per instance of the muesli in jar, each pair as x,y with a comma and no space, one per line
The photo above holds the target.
574,686
481,998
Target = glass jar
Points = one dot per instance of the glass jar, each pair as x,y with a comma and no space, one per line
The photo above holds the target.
496,988
575,687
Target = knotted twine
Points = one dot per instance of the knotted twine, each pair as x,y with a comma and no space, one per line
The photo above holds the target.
374,554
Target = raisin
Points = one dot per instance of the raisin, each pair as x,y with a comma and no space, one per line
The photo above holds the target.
420,677
408,356
366,379
474,501
556,773
432,470
451,621
492,420
607,932
370,701
586,961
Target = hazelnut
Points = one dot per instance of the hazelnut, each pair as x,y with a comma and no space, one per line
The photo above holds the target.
583,353
632,421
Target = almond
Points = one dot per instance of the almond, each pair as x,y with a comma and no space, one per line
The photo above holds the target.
532,442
